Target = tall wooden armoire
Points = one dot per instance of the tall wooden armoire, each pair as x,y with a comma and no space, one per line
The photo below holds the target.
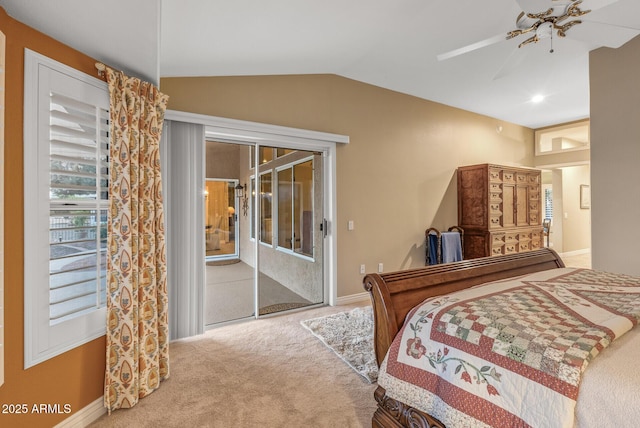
499,208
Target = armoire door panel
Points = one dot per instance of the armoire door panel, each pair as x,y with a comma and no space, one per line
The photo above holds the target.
522,206
509,199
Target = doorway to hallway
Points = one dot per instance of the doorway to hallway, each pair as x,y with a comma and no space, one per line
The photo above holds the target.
563,153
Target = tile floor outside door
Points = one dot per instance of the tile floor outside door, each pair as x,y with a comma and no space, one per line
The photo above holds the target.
229,293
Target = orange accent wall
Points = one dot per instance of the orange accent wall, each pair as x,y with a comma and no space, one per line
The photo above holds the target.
75,378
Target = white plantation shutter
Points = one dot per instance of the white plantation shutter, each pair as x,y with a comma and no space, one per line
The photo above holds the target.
548,202
66,163
79,149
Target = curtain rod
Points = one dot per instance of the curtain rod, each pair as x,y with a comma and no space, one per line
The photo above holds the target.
102,68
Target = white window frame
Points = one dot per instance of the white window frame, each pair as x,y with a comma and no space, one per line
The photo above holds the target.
251,205
44,340
280,248
271,244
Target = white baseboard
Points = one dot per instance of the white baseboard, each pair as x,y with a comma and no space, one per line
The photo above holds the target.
576,252
85,416
353,298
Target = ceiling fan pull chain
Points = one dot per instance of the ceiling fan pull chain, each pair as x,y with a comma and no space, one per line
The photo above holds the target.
551,50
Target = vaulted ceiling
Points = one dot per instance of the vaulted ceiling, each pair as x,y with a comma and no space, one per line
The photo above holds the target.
388,43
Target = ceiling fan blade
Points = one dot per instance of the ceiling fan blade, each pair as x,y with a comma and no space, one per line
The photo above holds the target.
601,34
534,6
537,59
474,46
595,4
537,6
513,62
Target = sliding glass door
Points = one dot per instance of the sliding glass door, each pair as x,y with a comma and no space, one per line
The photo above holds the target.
230,266
263,230
282,198
290,212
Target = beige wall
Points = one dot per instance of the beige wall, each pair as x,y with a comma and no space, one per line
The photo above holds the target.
576,221
222,160
615,151
395,178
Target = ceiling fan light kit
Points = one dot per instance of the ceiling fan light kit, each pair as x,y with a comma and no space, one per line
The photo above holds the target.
544,23
558,17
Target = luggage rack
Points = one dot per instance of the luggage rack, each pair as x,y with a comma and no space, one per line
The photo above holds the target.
444,251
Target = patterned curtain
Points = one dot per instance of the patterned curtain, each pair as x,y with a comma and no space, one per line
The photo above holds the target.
137,305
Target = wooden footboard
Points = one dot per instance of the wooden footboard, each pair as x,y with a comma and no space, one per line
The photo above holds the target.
393,294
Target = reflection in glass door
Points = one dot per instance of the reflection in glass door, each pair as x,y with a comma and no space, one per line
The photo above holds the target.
230,263
220,219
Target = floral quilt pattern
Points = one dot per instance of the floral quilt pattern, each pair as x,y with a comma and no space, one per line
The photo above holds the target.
509,353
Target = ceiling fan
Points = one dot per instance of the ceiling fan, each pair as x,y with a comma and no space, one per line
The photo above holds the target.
543,19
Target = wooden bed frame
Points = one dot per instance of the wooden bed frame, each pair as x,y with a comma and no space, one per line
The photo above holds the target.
394,294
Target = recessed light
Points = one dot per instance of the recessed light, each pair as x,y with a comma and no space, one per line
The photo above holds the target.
537,98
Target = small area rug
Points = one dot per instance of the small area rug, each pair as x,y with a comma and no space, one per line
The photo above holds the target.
350,336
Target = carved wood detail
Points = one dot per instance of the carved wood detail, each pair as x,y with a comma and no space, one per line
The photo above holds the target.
394,413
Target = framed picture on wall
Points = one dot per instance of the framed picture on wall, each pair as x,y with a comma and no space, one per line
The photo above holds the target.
585,197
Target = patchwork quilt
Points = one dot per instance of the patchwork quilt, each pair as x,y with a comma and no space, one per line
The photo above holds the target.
509,353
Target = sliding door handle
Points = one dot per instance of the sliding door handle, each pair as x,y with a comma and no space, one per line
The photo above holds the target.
323,227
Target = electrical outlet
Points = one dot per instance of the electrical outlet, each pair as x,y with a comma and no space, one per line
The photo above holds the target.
362,269
350,225
380,267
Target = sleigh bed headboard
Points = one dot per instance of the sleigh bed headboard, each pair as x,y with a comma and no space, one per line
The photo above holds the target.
394,294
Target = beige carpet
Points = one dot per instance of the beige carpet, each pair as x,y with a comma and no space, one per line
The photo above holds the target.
265,373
